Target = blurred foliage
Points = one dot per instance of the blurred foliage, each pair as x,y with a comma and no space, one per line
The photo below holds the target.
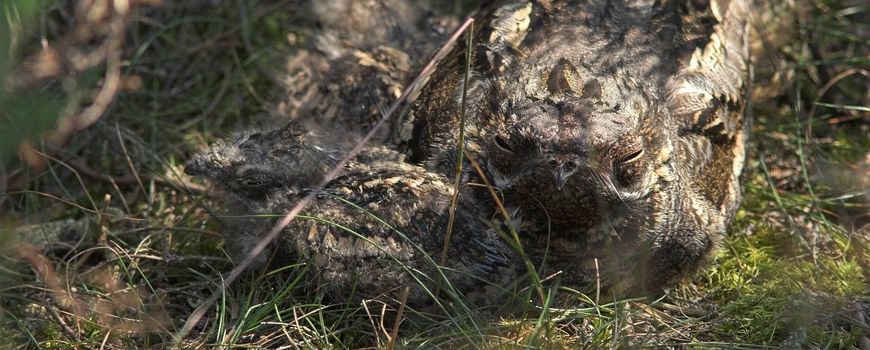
792,272
24,114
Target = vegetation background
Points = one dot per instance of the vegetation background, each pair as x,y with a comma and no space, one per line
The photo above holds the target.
106,244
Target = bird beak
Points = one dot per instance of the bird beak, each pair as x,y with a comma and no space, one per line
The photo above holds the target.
201,165
196,167
562,177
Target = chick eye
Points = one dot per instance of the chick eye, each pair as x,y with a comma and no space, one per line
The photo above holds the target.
502,144
254,178
627,171
631,157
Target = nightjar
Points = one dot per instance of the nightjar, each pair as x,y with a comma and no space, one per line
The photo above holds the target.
615,130
375,229
355,59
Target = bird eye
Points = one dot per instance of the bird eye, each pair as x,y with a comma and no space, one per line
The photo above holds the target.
254,182
502,144
253,178
627,171
633,156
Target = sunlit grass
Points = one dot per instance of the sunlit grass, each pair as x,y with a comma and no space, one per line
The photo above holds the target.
793,269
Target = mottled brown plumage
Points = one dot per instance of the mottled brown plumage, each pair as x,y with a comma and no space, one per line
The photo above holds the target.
375,229
380,228
615,129
255,162
358,56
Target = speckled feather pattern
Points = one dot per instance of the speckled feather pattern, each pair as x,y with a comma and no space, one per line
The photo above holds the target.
615,128
614,132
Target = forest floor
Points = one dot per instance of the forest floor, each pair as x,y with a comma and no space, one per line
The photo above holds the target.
104,248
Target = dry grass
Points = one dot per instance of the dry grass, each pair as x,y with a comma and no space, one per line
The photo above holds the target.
108,245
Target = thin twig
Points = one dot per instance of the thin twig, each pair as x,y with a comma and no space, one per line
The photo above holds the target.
105,339
50,307
830,84
3,183
395,333
129,161
597,283
514,238
461,148
365,304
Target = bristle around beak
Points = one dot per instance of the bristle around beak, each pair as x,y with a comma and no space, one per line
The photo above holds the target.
562,175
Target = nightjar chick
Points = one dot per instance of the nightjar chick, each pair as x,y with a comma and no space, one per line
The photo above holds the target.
374,230
252,163
378,229
255,162
614,129
356,58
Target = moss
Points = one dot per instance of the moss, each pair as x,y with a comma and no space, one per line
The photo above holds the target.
793,270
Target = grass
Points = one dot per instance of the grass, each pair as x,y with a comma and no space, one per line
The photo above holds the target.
792,271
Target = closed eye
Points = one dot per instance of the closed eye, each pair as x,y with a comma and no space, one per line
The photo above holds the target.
632,157
502,144
254,182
